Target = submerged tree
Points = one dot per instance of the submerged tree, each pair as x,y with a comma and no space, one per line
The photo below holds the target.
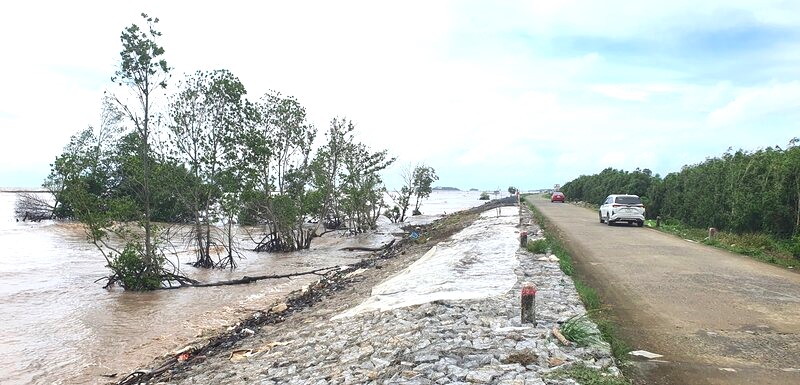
88,173
108,180
402,197
424,176
416,183
276,173
362,187
143,71
207,114
327,169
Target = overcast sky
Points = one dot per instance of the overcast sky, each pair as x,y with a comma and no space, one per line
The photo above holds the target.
489,93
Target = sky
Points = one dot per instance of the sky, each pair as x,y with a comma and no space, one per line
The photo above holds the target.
489,93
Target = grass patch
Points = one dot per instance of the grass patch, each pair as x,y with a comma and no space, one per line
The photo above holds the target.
538,246
587,376
591,301
588,295
762,247
581,330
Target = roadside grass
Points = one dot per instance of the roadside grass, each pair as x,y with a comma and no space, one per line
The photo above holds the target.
762,247
585,375
591,301
588,295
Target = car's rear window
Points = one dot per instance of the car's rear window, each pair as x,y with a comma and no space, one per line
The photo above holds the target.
628,200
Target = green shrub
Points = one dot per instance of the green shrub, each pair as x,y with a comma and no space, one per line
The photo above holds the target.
538,246
580,329
484,196
132,271
795,246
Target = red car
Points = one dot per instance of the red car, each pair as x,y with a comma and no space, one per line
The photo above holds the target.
557,196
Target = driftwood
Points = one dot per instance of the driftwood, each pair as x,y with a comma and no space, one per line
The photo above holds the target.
381,248
560,337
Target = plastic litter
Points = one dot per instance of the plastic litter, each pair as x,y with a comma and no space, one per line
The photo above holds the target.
645,354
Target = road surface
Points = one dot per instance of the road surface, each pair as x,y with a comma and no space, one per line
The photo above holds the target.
717,317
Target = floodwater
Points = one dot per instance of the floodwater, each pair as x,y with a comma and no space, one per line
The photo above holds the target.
478,262
59,326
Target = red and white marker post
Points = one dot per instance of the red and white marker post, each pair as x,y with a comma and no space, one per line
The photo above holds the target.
528,308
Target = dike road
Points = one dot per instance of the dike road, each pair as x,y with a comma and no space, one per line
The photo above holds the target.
716,317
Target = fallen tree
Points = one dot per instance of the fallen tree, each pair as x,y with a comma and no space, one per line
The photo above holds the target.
246,279
359,248
33,207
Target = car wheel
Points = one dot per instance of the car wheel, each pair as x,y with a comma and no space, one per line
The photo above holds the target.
608,219
640,223
601,217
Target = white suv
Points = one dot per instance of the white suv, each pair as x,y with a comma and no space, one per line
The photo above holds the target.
622,208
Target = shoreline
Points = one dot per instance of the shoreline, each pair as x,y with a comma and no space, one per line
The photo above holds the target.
263,336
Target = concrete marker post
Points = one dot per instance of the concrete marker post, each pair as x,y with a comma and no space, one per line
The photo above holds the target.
528,303
523,239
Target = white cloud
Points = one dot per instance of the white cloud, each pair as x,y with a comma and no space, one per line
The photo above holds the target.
452,84
755,102
622,92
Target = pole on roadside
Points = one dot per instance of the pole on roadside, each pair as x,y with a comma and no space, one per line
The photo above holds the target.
523,239
528,303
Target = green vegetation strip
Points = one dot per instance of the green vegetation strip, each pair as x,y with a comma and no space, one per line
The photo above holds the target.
762,247
588,376
589,297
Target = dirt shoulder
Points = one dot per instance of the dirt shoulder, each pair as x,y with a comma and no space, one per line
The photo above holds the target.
717,317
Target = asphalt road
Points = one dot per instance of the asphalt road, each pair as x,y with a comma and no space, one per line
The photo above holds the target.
717,317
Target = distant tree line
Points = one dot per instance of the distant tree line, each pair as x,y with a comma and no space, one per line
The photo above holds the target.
209,157
741,191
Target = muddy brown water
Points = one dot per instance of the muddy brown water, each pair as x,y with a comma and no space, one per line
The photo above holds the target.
57,326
